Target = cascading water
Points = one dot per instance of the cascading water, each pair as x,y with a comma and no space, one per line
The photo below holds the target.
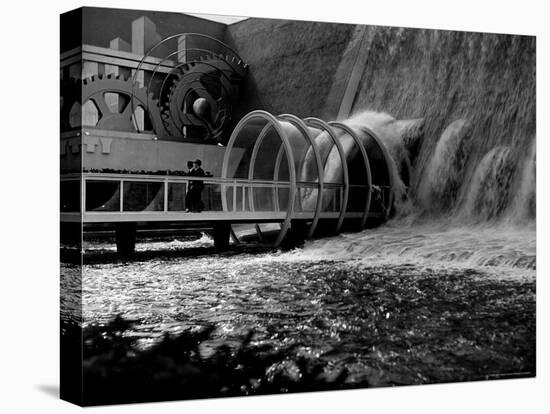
462,212
445,172
400,139
523,204
489,191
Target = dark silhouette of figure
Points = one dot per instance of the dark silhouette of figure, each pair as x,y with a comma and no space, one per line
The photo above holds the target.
188,195
193,198
199,186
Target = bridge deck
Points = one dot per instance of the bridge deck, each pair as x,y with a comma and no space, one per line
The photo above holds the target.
206,216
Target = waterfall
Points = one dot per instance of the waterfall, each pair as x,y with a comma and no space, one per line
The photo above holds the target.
500,187
471,208
456,111
439,188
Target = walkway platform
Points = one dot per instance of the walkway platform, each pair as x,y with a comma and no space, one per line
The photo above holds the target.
138,198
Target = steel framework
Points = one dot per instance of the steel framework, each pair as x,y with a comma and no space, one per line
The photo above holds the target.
290,129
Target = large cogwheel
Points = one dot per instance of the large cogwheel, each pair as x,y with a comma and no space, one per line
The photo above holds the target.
200,98
110,102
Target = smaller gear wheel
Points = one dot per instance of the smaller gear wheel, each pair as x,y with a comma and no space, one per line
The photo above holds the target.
200,97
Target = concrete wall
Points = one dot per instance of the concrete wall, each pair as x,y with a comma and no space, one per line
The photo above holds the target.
107,152
293,64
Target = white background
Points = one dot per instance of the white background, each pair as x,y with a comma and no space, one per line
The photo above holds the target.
29,163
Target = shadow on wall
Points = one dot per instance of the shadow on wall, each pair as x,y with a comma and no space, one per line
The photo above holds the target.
51,390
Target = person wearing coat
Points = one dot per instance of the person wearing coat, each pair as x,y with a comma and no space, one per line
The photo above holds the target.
193,199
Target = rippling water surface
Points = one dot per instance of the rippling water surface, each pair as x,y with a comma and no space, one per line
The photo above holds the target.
411,290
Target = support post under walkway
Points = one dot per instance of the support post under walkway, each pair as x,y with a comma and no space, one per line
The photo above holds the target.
222,233
126,238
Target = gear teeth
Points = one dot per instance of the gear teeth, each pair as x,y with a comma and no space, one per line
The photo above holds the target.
117,83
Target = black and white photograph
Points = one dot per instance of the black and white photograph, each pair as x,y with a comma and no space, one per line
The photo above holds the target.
256,206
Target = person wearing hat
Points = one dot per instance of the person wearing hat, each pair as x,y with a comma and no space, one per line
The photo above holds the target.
188,200
193,198
198,169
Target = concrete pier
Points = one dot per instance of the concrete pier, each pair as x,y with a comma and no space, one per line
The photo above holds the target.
126,238
222,233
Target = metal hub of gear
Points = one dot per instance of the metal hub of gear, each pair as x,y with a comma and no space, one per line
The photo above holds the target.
106,105
198,104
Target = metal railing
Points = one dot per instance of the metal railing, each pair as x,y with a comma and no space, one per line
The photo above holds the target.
154,195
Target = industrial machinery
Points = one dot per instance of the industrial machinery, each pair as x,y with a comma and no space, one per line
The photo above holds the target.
131,122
